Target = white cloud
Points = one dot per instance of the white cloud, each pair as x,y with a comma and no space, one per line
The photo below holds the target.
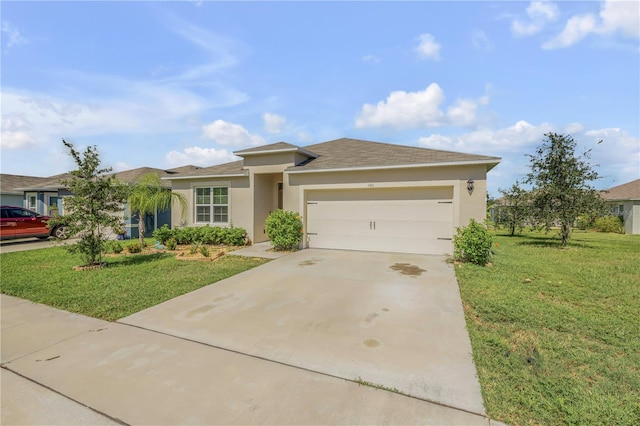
510,139
198,156
12,35
273,123
479,40
230,134
428,48
614,17
577,28
539,13
616,159
16,140
419,109
371,58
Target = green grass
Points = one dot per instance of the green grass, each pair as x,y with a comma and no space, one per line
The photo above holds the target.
128,285
556,332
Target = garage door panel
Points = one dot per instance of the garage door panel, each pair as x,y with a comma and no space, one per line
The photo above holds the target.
405,226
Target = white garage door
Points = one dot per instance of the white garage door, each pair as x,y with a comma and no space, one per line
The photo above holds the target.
402,226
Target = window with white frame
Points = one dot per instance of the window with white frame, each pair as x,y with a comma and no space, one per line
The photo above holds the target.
212,205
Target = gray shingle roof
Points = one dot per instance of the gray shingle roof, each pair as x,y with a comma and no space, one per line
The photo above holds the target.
10,183
354,153
626,191
278,146
235,167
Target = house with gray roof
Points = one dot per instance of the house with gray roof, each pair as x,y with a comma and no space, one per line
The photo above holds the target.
46,195
351,194
625,201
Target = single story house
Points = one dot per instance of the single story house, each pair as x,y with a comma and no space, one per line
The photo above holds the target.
625,201
10,195
351,194
46,195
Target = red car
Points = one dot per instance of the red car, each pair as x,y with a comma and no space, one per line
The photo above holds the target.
18,222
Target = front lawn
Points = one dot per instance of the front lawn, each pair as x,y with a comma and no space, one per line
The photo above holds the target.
128,285
556,332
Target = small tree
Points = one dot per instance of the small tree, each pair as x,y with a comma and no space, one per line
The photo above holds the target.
560,179
90,212
515,211
148,195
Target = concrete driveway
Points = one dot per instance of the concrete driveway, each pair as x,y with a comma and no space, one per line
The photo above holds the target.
391,320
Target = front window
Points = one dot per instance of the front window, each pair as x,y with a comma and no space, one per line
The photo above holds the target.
212,205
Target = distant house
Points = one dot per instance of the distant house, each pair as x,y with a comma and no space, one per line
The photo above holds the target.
46,195
625,201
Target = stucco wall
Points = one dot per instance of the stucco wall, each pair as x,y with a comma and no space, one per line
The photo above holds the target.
467,205
632,217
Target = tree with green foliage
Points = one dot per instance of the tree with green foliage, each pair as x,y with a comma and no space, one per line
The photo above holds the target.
561,191
515,211
148,195
91,212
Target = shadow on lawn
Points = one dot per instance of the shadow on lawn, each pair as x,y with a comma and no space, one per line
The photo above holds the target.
137,259
549,241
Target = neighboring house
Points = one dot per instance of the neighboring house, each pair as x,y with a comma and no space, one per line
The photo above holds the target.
46,196
625,201
11,195
351,194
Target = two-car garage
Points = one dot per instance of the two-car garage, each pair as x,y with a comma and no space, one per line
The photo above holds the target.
403,220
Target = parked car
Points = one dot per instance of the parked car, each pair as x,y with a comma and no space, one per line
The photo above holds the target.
18,222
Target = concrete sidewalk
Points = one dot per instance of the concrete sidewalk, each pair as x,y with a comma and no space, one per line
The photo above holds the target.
70,369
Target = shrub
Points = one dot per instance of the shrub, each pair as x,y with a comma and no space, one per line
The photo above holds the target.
134,247
171,243
472,243
234,236
163,234
284,229
609,223
204,250
195,247
114,247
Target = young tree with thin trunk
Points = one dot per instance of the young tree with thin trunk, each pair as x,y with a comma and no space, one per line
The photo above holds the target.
148,196
561,191
515,212
91,211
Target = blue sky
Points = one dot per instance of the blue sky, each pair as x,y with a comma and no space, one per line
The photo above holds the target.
164,84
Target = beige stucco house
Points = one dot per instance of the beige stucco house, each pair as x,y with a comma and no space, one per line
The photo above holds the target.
351,194
625,201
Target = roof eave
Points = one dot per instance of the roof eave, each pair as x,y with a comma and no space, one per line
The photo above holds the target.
245,173
490,163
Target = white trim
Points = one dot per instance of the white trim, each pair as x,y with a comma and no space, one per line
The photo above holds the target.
403,166
245,173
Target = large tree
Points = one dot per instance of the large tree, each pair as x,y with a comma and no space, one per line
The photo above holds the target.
561,184
515,210
92,210
148,195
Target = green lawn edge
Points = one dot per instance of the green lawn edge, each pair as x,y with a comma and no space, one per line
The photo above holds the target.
127,285
556,332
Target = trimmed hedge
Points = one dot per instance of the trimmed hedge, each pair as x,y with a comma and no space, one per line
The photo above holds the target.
284,229
211,235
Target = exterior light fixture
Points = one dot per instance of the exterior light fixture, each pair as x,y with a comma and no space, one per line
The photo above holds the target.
470,186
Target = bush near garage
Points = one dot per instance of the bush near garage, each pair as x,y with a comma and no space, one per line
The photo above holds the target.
472,243
210,235
284,229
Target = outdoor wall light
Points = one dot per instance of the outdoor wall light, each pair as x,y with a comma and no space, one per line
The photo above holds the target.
470,186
